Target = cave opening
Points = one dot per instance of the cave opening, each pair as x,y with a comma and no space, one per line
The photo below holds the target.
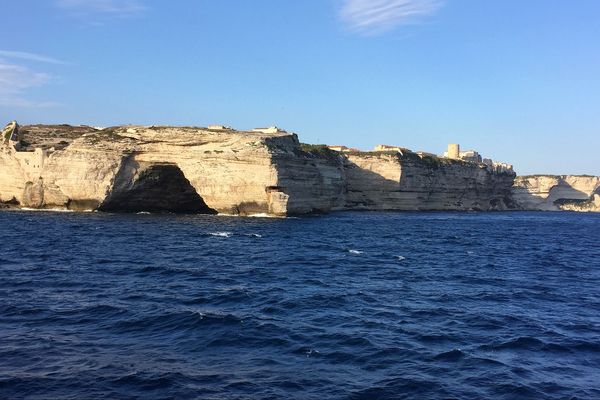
158,188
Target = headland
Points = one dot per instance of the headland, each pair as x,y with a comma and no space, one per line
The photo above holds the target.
217,169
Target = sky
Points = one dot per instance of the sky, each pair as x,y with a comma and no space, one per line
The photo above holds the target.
519,81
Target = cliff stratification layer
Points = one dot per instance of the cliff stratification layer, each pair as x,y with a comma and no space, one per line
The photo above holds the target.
220,170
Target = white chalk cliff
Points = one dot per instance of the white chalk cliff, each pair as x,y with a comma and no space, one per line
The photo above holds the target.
140,168
407,181
557,192
202,170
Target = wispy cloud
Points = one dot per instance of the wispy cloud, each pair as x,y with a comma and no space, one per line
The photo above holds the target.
115,8
17,79
29,57
372,17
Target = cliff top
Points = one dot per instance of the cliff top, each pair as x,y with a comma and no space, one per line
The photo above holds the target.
61,136
128,138
555,176
47,136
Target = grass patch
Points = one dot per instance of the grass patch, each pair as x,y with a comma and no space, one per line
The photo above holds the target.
318,150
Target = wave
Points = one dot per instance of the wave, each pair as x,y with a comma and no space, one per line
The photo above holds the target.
529,343
352,251
177,321
220,234
50,209
262,215
257,215
452,355
228,234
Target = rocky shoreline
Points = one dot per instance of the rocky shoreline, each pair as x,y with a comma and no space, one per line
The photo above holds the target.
221,170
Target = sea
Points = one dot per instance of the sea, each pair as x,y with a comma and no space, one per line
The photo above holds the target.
349,305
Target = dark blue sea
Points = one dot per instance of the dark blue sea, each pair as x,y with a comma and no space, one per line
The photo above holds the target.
342,306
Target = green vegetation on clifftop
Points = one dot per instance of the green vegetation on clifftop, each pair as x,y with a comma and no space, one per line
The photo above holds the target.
318,150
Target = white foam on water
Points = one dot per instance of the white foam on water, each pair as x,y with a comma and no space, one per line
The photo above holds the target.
261,215
256,235
310,352
258,215
355,251
470,253
143,213
47,209
221,234
401,258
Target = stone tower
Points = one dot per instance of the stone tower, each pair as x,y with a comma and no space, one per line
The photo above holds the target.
454,151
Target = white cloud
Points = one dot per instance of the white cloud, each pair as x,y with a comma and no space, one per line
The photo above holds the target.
377,16
117,8
29,56
16,80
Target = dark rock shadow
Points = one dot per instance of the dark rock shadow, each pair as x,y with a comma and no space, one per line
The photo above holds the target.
155,188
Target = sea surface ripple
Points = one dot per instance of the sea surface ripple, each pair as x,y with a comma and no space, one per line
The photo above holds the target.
343,306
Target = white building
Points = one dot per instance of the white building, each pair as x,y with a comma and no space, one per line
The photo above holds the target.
271,129
219,127
473,156
343,149
454,153
387,147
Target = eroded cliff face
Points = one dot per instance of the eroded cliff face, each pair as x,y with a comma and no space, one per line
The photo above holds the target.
557,192
131,168
187,169
312,176
394,181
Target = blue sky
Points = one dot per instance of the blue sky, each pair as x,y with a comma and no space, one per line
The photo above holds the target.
517,80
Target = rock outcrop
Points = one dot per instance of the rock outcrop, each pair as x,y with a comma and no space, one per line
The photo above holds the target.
190,169
557,192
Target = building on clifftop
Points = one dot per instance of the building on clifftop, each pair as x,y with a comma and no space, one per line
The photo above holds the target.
387,147
425,154
343,149
271,129
219,128
454,153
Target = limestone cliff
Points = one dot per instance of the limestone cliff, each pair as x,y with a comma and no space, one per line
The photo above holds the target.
557,192
220,170
312,176
140,168
407,181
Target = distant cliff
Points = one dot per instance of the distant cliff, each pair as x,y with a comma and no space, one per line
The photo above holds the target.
557,192
190,169
407,181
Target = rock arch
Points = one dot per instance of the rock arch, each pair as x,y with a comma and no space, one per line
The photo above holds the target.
153,187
